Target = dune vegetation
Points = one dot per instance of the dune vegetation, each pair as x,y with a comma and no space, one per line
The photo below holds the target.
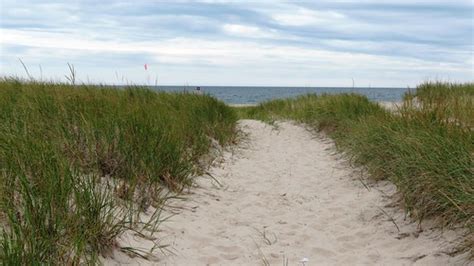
79,164
425,148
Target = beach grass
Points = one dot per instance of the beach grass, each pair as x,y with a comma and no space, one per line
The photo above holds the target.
450,101
79,163
425,148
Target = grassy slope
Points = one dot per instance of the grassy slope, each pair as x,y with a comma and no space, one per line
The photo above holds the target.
427,151
448,100
58,142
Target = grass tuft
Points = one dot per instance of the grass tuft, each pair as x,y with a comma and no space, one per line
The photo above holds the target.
78,163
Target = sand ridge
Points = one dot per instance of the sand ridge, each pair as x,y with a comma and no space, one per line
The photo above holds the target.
285,195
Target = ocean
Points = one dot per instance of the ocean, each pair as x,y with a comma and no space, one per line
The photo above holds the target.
255,95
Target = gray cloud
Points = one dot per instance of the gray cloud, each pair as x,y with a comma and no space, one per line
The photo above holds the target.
365,38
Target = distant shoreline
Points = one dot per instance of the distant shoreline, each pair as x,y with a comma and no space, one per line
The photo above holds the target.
242,104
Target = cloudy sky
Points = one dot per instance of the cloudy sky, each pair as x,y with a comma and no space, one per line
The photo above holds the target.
294,43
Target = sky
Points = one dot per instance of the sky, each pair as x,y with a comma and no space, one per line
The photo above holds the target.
380,43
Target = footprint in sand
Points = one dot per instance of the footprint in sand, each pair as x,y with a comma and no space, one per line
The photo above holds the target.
322,252
209,260
230,256
346,238
229,249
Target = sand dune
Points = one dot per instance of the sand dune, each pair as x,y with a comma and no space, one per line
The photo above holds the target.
285,195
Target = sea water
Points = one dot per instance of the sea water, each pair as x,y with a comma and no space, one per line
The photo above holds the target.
254,95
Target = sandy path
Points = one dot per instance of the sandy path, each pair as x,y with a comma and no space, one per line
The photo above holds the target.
286,195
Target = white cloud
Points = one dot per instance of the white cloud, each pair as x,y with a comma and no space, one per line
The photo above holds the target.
284,61
248,31
307,17
267,43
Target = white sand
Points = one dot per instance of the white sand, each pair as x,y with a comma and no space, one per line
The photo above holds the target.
287,195
242,104
391,106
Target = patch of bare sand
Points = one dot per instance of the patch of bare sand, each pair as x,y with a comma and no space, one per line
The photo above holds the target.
391,106
286,195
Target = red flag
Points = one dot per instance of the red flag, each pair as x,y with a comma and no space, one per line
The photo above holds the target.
146,67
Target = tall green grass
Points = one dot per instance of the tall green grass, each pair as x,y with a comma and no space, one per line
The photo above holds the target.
426,147
450,101
78,163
